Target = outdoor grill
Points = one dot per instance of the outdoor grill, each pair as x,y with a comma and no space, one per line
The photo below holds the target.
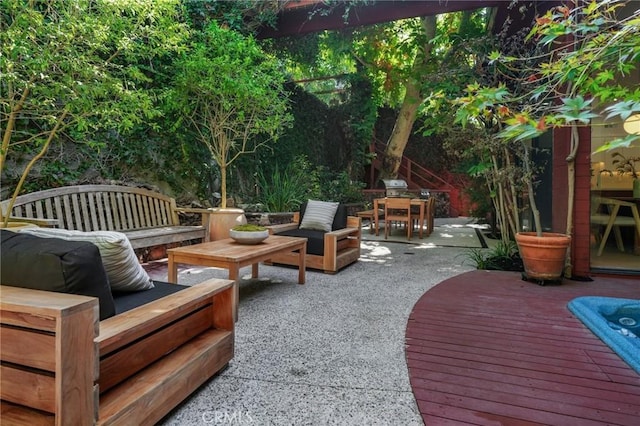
395,187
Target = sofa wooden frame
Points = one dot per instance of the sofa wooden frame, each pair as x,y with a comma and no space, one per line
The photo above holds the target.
148,218
341,246
62,366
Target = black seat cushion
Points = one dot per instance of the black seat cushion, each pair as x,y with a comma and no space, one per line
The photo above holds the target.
53,264
315,239
127,300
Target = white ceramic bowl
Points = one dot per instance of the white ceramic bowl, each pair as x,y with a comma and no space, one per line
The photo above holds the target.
248,237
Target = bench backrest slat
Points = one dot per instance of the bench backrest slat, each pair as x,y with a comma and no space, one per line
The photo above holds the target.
48,207
68,219
112,217
151,218
148,211
57,208
159,215
132,211
166,214
77,213
39,211
106,214
98,207
139,208
86,201
90,208
100,211
120,202
154,212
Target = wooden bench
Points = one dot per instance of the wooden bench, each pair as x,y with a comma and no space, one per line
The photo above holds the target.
148,218
61,366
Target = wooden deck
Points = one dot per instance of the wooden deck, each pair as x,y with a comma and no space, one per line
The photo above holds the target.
486,348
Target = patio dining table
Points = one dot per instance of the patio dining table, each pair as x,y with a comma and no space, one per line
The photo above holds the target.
418,202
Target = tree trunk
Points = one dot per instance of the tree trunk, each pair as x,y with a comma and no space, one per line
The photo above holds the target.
408,111
223,185
571,176
401,132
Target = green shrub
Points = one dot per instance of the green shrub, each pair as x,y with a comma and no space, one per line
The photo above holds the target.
340,187
502,257
285,190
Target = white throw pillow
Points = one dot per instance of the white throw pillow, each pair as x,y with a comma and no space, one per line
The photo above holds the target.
319,215
120,262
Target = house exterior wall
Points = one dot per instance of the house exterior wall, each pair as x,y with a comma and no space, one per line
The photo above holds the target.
581,229
581,214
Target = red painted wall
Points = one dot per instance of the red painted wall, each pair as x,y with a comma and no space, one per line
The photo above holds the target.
580,247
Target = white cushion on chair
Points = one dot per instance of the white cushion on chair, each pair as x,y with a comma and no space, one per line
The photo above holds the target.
120,262
319,215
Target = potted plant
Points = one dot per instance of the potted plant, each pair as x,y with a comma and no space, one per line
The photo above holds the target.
626,165
229,92
555,84
509,171
248,233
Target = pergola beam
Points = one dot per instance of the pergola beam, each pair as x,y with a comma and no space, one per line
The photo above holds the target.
294,19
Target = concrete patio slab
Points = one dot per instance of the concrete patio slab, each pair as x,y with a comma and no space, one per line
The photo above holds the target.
329,352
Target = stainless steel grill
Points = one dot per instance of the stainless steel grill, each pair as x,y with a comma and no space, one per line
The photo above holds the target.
395,187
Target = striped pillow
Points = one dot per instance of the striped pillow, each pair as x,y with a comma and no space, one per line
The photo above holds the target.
120,261
319,215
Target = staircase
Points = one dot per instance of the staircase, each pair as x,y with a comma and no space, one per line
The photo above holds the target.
418,177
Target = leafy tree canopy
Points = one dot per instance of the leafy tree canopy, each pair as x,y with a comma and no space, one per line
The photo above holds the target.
244,16
72,68
576,74
230,92
572,73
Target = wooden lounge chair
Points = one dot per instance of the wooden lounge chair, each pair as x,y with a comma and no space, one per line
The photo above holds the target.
326,251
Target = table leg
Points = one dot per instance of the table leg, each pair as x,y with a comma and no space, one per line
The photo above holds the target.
234,273
422,203
254,270
173,270
372,224
636,237
234,305
375,215
302,264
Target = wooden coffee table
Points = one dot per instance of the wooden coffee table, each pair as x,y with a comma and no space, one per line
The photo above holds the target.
232,256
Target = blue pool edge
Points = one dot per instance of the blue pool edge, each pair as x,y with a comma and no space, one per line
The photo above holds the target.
585,308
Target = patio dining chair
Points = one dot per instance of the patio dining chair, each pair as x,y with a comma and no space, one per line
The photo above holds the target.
605,213
397,210
369,215
428,216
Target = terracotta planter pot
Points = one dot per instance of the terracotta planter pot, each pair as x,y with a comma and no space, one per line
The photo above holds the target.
222,220
543,257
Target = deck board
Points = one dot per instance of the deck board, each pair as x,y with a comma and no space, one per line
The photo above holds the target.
486,348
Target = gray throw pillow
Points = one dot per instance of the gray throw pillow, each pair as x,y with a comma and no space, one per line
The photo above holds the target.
319,215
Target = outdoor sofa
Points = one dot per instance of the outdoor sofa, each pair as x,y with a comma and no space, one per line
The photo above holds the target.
76,352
